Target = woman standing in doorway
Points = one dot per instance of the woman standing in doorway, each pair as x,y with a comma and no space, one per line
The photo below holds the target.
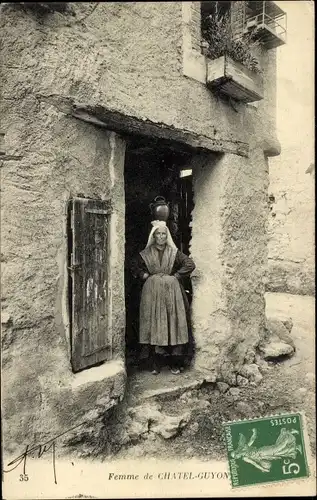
164,309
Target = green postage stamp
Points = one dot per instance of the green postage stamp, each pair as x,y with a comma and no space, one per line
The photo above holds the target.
266,450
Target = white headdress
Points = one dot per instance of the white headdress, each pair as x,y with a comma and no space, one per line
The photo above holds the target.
156,224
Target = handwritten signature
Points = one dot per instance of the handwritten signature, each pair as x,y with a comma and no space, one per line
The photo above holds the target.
41,449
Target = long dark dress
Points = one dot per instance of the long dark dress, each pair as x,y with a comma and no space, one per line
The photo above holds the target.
164,309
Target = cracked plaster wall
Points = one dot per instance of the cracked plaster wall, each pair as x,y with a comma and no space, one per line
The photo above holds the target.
292,225
229,246
292,214
60,158
126,57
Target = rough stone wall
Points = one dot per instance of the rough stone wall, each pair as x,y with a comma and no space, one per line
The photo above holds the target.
292,225
229,246
291,221
53,157
126,57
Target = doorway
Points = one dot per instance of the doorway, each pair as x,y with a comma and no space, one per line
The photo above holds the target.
153,168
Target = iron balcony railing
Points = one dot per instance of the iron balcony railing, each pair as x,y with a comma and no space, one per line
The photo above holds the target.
263,20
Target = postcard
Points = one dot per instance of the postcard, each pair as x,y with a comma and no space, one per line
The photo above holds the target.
158,264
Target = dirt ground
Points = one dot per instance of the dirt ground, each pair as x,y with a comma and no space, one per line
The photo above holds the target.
286,386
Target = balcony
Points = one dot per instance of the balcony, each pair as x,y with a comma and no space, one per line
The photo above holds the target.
266,21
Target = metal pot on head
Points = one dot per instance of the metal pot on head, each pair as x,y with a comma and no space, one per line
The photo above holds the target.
160,209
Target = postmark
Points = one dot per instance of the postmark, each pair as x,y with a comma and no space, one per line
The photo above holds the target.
266,450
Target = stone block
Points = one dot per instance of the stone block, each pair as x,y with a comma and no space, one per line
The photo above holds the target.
242,381
262,364
244,409
252,373
149,418
222,387
250,357
203,404
169,427
274,350
5,317
277,329
234,392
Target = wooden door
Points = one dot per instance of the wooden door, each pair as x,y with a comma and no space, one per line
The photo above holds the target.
90,335
185,211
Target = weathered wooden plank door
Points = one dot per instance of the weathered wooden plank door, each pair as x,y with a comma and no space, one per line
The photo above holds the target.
185,211
186,206
90,336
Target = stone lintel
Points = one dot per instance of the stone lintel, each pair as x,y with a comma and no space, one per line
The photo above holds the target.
133,126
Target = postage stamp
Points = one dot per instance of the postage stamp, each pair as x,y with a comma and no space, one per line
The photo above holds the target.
266,450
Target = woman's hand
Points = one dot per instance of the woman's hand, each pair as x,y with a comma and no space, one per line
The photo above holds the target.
145,276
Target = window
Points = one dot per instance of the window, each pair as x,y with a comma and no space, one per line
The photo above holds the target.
215,8
88,264
193,15
186,172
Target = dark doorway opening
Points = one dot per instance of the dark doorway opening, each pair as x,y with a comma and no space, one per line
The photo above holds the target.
153,168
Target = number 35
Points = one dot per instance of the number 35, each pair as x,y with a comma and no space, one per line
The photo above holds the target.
24,477
287,468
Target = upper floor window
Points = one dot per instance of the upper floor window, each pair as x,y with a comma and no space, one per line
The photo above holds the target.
223,35
233,33
223,23
215,8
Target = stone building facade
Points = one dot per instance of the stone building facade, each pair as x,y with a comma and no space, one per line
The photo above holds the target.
292,174
81,86
292,224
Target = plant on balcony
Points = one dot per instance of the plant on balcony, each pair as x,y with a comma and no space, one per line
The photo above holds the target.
217,35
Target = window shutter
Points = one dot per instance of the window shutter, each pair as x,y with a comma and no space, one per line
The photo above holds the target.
90,336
